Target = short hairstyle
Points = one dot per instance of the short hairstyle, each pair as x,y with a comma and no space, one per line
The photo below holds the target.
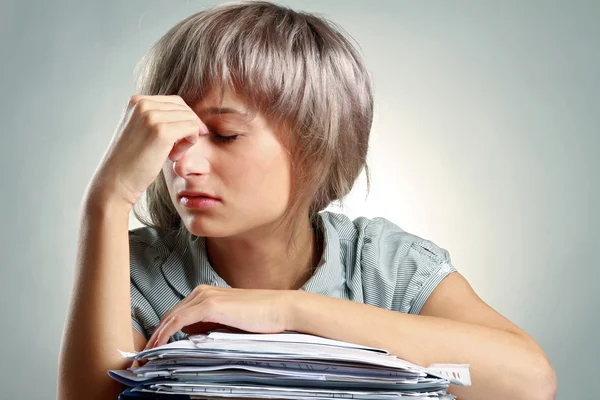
298,69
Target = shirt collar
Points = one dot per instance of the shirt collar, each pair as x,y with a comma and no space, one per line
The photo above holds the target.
187,266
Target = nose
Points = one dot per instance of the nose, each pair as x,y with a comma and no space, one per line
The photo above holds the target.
196,160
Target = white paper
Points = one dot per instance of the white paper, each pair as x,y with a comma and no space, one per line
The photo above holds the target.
288,337
287,365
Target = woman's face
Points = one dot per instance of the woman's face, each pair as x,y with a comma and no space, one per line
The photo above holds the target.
241,162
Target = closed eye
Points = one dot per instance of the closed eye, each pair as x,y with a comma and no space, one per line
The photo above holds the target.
223,138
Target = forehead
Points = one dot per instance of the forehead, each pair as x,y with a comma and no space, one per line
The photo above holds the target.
233,109
210,104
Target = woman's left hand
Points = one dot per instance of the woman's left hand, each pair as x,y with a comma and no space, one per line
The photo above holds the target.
251,310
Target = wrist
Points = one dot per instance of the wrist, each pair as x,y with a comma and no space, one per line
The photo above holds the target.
294,306
97,204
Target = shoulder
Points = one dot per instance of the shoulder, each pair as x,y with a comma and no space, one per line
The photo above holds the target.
393,268
148,248
144,243
147,236
382,235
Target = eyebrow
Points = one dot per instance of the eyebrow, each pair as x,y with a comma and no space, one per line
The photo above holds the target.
219,110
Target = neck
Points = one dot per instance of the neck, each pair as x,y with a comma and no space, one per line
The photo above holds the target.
262,258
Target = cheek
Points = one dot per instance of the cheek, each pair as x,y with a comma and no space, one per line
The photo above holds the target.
278,177
169,174
265,177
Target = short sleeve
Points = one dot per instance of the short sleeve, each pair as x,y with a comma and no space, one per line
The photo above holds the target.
139,310
425,266
138,327
399,270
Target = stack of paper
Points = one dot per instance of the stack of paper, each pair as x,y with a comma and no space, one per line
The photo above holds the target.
286,365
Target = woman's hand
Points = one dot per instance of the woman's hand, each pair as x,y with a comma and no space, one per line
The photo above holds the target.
151,129
207,307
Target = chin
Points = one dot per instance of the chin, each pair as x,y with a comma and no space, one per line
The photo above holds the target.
206,227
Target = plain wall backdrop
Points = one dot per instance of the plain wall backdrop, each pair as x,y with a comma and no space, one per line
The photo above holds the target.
485,140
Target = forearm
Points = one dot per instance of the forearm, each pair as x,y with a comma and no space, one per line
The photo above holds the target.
503,365
99,318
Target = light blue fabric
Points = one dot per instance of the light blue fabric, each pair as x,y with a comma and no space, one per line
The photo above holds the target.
371,261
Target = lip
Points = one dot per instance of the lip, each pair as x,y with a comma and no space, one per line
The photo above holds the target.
191,194
199,202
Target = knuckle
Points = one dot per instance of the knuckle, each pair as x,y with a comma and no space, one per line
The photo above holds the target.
159,129
166,316
133,100
149,119
197,290
202,289
211,304
142,106
208,292
178,99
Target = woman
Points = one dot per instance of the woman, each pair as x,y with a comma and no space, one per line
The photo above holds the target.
250,119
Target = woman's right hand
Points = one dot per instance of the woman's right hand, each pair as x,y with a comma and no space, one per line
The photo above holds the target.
151,129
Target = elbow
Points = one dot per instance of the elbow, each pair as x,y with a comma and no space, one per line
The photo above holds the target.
551,385
76,377
107,388
544,382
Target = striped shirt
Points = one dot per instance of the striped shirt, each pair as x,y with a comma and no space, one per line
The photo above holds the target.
370,261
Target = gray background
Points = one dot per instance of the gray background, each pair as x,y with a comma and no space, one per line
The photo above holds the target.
486,141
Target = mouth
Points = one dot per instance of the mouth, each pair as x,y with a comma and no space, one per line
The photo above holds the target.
198,201
196,195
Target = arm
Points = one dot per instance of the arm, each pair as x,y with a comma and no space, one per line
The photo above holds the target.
455,326
99,318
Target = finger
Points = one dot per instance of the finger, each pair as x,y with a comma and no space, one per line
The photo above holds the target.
175,132
143,105
154,336
199,293
151,111
186,302
169,114
197,296
159,331
178,321
181,146
176,123
168,99
158,328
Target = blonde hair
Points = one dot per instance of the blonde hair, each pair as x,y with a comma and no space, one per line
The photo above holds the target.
298,69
